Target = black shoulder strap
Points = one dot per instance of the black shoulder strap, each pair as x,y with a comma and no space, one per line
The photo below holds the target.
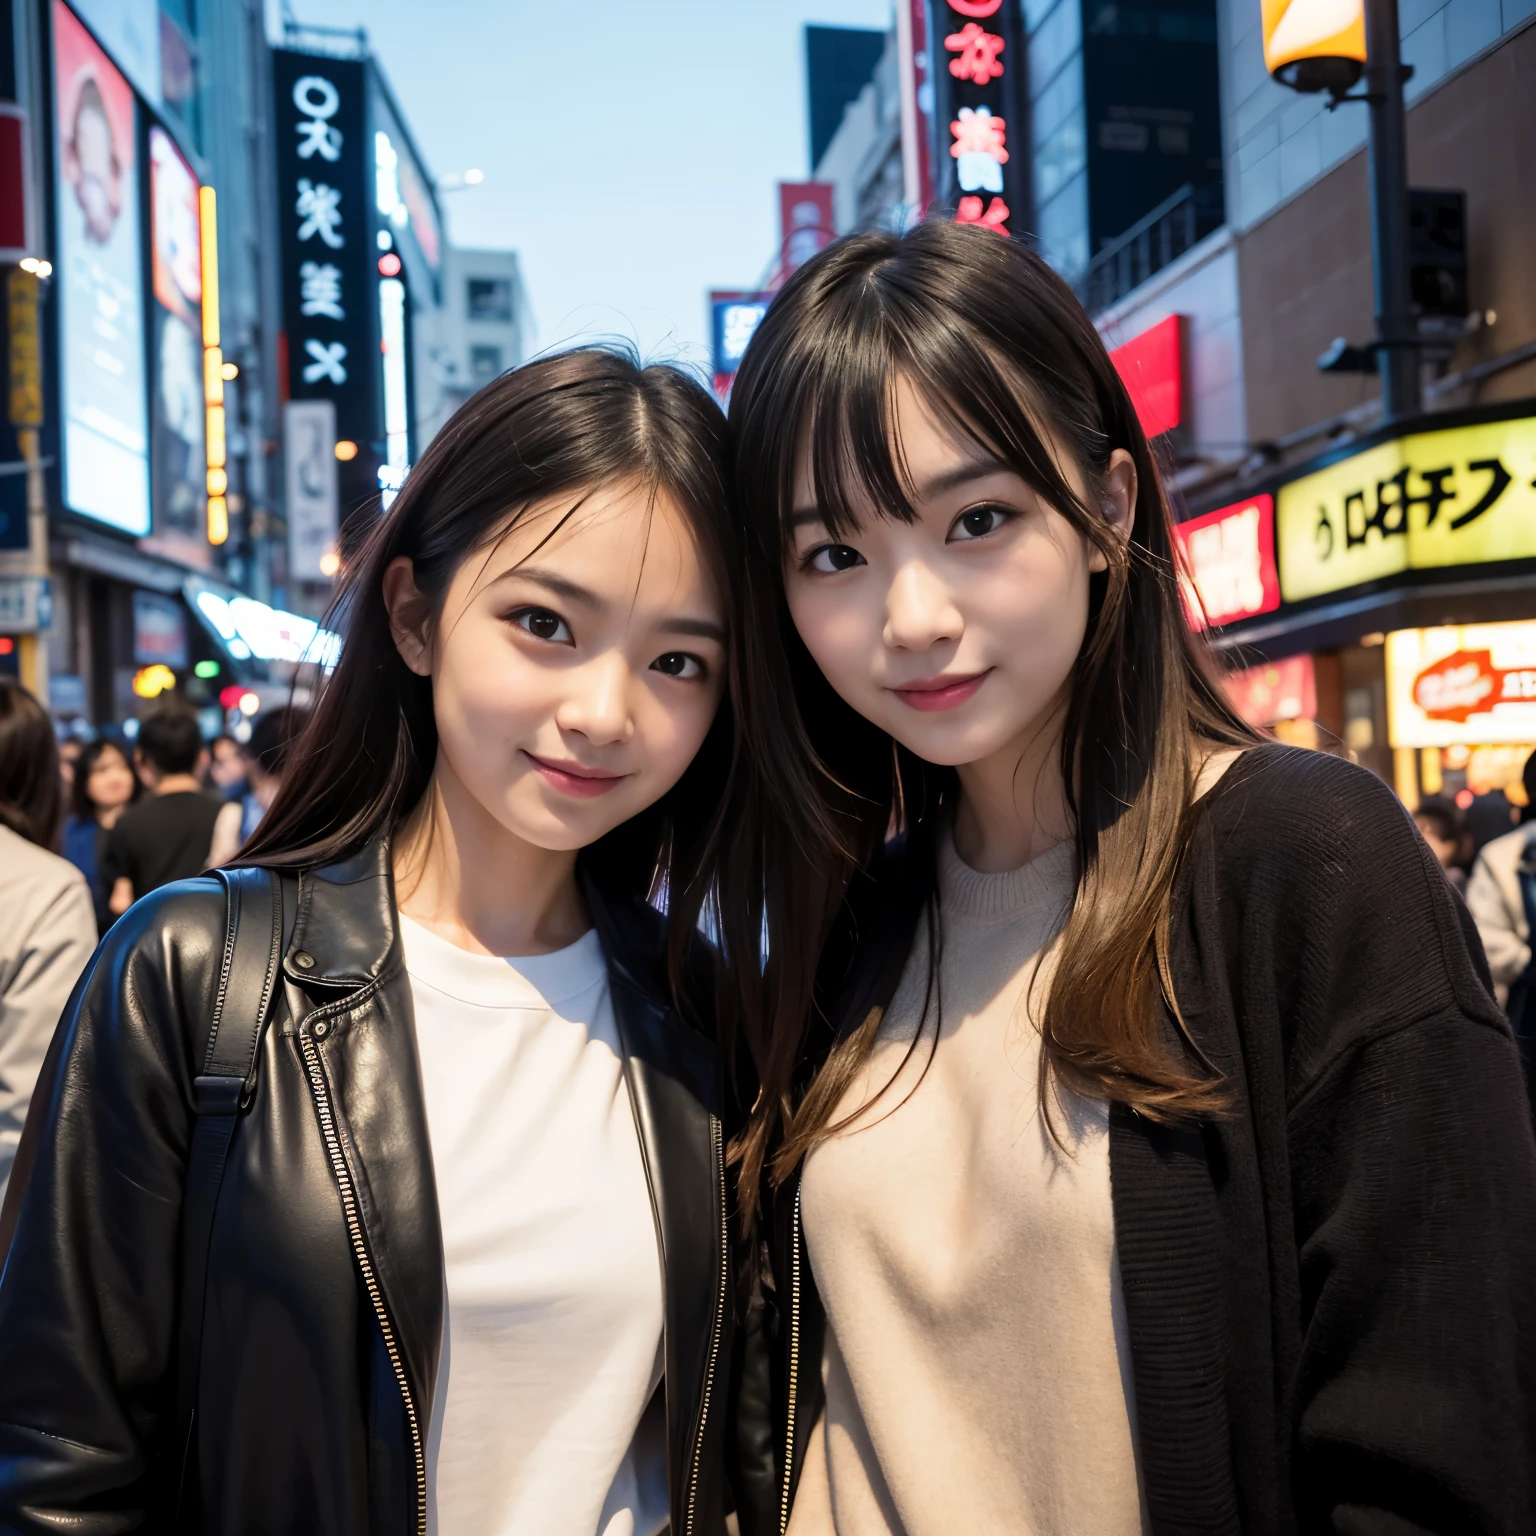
247,975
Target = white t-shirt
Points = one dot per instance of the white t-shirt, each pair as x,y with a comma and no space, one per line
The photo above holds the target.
553,1324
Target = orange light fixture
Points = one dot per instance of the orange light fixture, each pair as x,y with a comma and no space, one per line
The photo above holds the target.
1315,45
151,681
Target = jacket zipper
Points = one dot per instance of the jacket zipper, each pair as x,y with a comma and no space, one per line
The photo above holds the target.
717,1144
343,1176
794,1363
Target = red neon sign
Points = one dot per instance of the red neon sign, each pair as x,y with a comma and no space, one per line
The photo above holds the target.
978,50
980,9
1467,683
1152,366
1227,563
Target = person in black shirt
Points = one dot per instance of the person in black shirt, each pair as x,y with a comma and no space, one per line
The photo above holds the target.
168,835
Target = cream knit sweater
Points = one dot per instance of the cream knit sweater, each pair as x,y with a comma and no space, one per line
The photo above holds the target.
977,1368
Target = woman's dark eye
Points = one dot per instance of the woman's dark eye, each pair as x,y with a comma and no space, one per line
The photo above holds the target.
678,664
977,523
831,558
543,625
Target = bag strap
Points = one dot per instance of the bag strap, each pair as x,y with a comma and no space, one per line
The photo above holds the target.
223,1088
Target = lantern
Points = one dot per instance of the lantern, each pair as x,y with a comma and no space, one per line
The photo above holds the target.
1315,45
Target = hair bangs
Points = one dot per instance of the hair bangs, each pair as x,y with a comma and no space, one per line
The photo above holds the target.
885,332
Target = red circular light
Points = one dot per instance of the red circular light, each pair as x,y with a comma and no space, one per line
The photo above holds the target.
230,697
389,264
1464,798
7,645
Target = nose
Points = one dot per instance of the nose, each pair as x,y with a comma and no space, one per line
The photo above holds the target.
919,610
597,706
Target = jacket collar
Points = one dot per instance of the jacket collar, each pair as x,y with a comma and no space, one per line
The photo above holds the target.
345,934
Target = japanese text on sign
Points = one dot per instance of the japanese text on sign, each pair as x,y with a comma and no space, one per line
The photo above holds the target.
317,206
1461,496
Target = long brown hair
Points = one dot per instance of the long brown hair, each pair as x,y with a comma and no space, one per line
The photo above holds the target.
1005,355
558,427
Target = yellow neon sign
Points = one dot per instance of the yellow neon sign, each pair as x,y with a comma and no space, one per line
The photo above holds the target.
213,368
1460,496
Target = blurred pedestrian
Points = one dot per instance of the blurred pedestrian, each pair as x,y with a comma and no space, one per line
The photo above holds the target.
47,930
1440,821
1489,816
226,768
1502,898
169,834
104,786
263,758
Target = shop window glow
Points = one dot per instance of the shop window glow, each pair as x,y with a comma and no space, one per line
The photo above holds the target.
150,682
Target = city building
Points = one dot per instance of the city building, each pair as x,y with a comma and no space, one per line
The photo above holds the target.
838,64
861,158
1379,579
482,330
135,456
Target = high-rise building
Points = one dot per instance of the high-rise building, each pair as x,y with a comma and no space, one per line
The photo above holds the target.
838,64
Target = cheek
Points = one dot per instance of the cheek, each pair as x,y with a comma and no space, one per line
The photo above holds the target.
839,628
484,694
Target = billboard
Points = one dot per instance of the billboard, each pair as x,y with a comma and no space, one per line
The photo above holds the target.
1152,366
178,463
1227,563
1470,684
326,196
105,415
1458,496
733,317
806,222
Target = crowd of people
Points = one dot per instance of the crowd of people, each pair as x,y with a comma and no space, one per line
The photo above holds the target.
773,992
89,826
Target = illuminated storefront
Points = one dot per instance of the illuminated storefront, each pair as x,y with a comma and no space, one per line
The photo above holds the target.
1402,570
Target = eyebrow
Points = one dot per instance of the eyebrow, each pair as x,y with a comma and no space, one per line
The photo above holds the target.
574,592
938,485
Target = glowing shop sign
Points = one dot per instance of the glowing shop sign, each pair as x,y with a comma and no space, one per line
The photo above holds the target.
1228,563
1459,496
249,628
1469,684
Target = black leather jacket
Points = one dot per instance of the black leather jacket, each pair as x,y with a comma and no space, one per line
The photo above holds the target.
324,1294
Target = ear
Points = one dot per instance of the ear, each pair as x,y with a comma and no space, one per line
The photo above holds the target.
409,615
1119,487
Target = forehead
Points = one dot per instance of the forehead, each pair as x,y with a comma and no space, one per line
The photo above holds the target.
620,539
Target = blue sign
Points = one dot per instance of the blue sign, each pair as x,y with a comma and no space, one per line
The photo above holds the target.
734,318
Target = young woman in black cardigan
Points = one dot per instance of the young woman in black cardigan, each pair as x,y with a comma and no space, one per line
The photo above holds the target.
1137,1145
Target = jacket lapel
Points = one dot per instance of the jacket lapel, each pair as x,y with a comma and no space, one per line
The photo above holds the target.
346,954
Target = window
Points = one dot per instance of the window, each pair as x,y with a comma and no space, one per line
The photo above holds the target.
490,298
484,364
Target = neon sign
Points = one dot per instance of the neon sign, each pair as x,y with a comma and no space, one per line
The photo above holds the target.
976,106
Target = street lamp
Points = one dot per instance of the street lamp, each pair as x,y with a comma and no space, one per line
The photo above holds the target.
1327,45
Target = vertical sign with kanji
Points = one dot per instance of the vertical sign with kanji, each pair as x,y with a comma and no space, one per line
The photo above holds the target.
325,205
977,68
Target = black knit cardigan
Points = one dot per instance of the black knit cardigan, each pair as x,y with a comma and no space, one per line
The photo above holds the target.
1330,1290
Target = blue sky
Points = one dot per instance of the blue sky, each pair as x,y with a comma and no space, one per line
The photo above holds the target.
630,147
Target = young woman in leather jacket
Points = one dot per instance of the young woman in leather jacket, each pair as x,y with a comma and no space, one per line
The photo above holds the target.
469,1265
1140,1146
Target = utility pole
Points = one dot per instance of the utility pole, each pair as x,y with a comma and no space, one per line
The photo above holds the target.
1396,337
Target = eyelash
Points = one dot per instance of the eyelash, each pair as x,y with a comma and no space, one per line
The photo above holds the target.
1003,515
522,616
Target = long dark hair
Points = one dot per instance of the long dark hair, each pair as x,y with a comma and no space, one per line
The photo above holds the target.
31,791
1003,352
556,428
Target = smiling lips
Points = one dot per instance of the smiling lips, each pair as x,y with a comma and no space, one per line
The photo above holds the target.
936,693
575,779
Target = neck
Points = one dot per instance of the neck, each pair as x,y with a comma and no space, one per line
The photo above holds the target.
461,873
175,783
107,815
1013,804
